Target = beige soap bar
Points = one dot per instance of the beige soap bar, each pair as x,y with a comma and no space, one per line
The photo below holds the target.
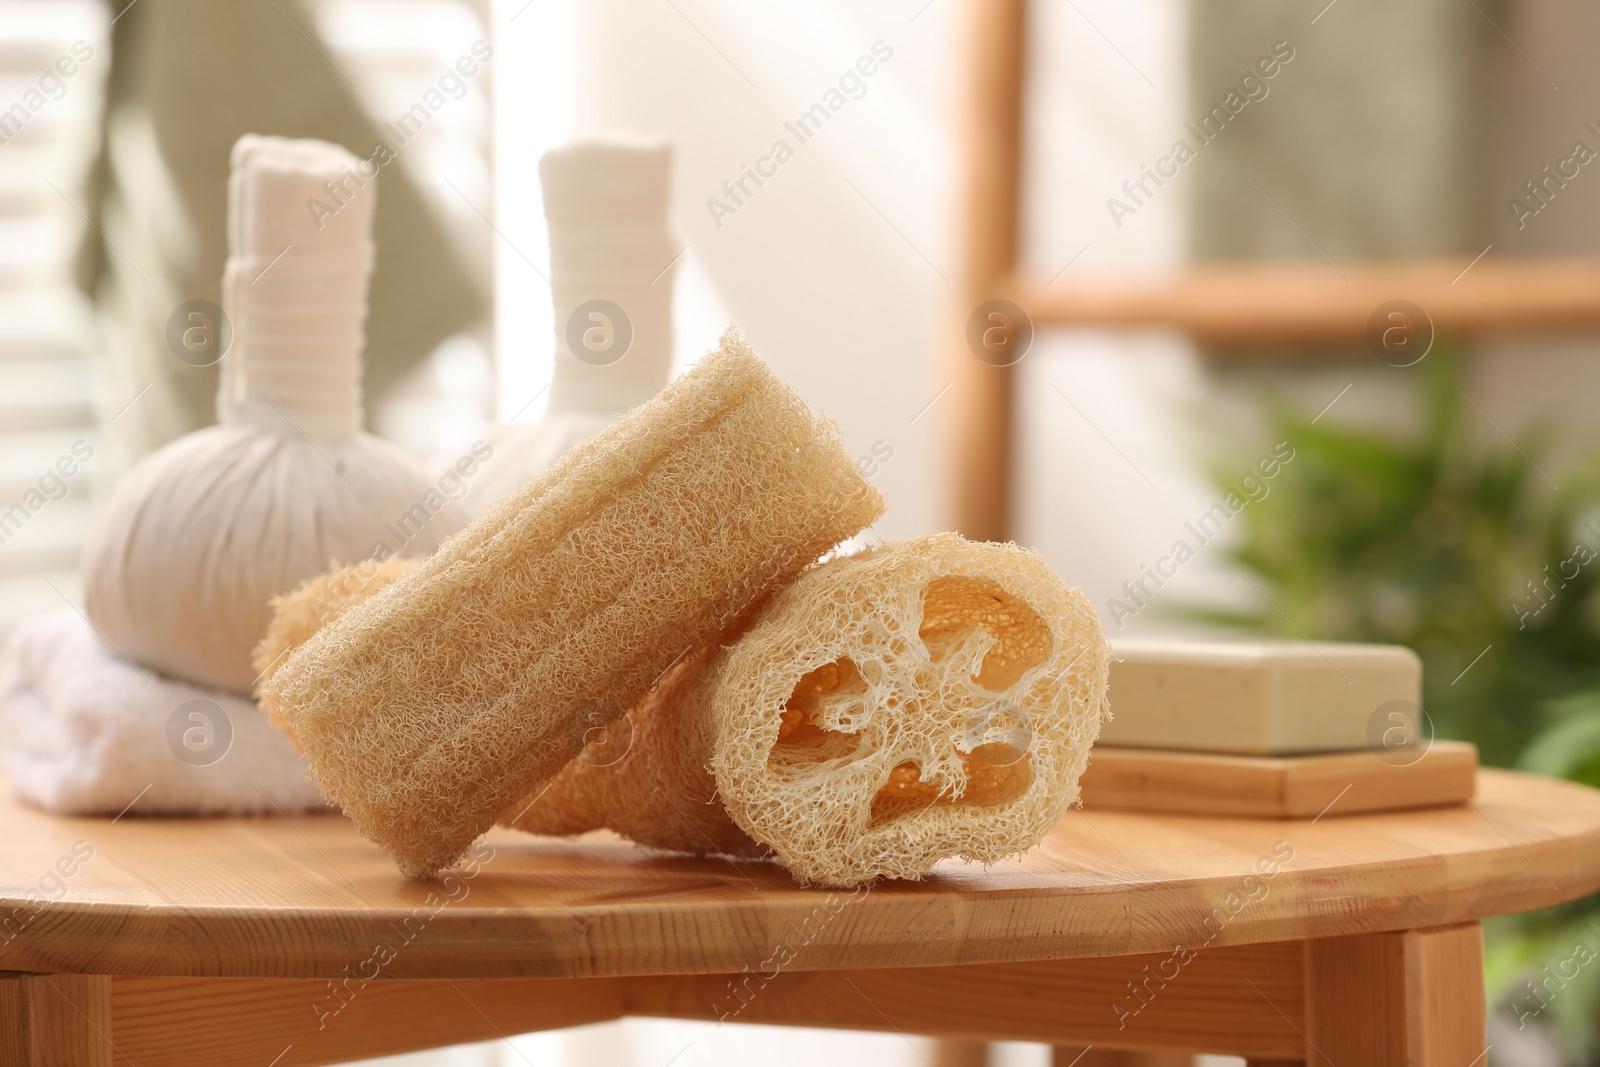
1268,698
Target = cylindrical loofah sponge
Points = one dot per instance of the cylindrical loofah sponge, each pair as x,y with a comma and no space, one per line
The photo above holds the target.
921,700
428,710
647,779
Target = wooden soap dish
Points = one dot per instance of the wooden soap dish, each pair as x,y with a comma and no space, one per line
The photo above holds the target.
1283,787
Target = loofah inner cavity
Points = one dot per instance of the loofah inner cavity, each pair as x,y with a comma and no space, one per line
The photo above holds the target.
956,605
935,697
994,771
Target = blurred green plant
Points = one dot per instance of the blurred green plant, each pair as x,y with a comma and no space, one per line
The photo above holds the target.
1529,959
1542,970
1467,553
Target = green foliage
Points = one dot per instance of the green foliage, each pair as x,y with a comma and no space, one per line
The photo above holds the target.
1570,747
1434,541
1545,971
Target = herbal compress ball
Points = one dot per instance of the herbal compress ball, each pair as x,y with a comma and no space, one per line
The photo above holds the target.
199,537
925,699
430,708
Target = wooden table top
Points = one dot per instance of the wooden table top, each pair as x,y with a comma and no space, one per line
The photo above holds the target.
307,897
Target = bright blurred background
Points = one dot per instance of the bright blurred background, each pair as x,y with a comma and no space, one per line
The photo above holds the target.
1424,504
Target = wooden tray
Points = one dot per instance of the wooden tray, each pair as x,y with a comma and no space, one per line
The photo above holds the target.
1284,787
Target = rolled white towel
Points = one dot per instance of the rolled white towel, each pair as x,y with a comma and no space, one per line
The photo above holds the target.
85,733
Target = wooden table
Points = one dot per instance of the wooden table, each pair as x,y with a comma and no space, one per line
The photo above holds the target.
1351,942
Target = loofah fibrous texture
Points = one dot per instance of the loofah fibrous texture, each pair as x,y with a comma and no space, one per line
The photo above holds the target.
299,614
925,699
429,709
586,795
645,777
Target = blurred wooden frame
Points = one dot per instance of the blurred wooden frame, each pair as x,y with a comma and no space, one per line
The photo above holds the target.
1308,303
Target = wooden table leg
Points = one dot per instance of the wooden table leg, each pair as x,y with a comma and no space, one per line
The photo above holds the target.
1408,999
55,1020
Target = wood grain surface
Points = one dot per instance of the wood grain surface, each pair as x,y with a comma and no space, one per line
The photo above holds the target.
55,1020
1413,998
1215,1003
1339,783
256,1022
309,898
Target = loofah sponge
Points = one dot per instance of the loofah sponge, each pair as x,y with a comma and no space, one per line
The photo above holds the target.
429,709
580,798
645,777
299,614
925,699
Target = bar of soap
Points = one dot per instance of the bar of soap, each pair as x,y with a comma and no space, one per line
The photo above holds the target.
1269,698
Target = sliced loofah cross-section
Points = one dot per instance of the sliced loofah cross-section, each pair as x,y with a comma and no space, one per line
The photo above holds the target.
429,709
925,699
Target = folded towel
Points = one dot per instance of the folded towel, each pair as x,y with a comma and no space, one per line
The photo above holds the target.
86,733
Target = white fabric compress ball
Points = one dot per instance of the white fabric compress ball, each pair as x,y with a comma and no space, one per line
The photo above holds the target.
195,542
